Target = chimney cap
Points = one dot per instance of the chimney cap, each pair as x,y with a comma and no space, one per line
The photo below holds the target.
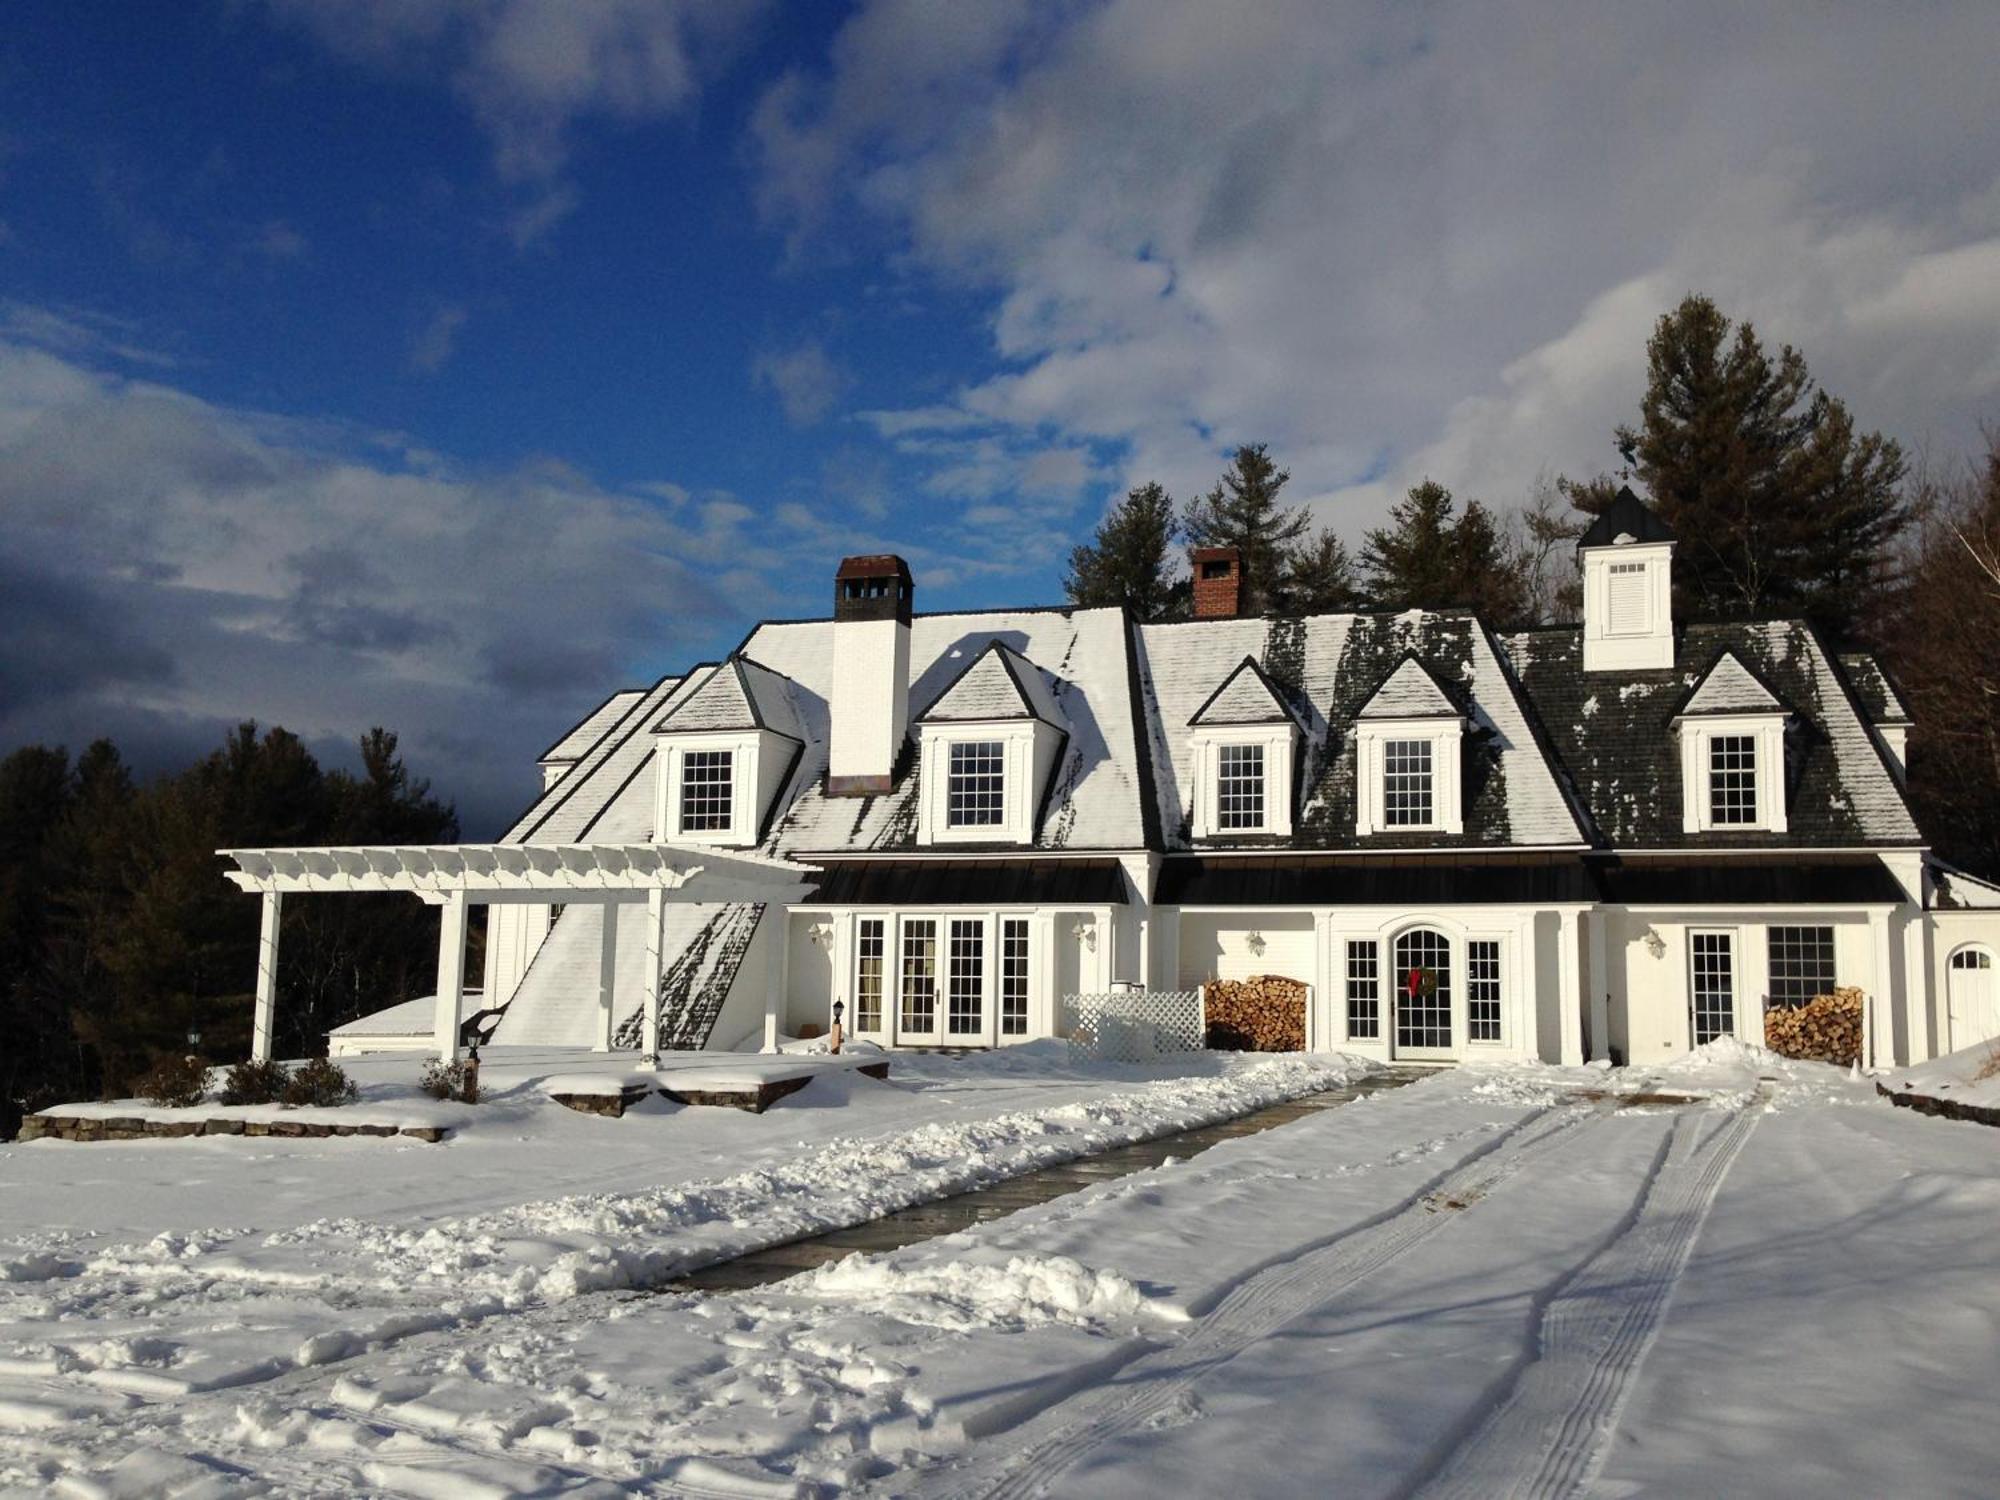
1216,554
872,565
873,586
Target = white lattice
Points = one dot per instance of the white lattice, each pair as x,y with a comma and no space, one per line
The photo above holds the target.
1137,1025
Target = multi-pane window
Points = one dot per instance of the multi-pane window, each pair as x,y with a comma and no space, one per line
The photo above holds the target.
1406,783
1732,780
1482,990
1364,990
1013,976
965,977
1239,786
918,991
706,777
1423,989
976,789
1801,964
868,960
1712,984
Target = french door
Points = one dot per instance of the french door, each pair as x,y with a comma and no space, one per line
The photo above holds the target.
941,979
1423,995
1712,984
917,1016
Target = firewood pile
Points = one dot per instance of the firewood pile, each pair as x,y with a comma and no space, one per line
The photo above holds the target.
1827,1028
1266,1013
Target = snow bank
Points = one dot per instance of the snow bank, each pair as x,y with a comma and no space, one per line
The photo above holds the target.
1028,1291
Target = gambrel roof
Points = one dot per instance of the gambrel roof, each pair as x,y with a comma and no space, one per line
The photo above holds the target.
740,694
995,685
1246,696
1728,687
1410,691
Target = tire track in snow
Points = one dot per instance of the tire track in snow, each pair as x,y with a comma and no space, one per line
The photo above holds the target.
1549,1424
1044,1447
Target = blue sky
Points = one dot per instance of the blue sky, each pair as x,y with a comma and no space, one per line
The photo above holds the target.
447,363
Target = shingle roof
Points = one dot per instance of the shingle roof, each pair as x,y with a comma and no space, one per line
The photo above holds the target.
1613,735
1728,687
1410,691
1245,696
741,694
591,727
997,684
1627,517
1872,685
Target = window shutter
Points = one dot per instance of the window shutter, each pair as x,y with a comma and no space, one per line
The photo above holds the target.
1628,611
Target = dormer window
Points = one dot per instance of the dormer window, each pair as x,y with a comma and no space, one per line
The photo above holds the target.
1732,780
1409,738
708,782
1239,787
1406,783
977,794
1731,727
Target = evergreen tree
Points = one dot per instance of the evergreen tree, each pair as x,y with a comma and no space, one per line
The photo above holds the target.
1242,511
1779,506
1126,563
1318,578
1434,556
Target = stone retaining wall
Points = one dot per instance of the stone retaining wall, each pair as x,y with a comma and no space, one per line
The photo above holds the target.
138,1128
1946,1109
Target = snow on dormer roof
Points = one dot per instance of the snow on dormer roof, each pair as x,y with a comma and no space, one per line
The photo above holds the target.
1410,691
1729,687
1246,696
739,694
591,727
997,684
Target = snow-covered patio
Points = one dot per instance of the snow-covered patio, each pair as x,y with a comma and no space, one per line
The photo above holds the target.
1520,1279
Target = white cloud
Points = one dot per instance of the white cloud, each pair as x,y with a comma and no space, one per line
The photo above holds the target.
1390,239
805,379
431,350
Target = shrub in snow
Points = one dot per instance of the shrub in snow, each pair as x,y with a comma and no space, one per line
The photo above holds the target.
254,1083
175,1081
443,1080
321,1081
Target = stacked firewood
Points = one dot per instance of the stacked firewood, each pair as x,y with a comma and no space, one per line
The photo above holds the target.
1266,1013
1827,1028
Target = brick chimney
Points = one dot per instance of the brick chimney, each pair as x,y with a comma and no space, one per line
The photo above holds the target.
869,703
1218,582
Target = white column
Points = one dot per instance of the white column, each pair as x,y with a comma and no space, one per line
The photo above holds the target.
1600,986
1878,1011
267,977
1045,1005
1918,1000
451,975
1319,1018
607,978
1569,1007
656,920
781,973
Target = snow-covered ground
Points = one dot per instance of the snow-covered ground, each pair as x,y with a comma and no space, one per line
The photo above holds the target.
1522,1281
1969,1076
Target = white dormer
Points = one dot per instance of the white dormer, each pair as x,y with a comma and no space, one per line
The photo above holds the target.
986,748
1628,599
722,756
1409,740
1244,742
1731,728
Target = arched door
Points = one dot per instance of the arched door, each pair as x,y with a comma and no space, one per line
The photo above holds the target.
1972,998
1423,995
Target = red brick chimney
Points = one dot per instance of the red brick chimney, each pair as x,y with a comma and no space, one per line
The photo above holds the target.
1218,582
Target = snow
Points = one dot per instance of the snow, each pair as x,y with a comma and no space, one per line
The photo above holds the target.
1730,1274
1955,1076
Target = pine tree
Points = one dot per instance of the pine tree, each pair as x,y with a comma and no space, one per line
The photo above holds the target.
1319,578
1126,563
1778,504
1434,556
1242,511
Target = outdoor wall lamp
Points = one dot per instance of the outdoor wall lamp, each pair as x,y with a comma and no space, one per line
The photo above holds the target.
1086,934
1255,943
1655,944
821,934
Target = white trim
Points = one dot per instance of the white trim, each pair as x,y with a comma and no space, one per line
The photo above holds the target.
1766,731
1206,743
1648,649
1446,737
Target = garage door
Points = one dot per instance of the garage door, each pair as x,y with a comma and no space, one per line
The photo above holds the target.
1975,1005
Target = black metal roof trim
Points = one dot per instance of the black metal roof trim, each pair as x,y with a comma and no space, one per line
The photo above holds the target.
1284,714
969,882
1308,880
1839,881
1007,657
604,703
1142,739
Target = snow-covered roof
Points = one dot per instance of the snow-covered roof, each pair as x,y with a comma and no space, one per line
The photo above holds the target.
740,694
1874,688
1955,890
591,727
1246,696
1000,683
411,1018
1411,691
1729,687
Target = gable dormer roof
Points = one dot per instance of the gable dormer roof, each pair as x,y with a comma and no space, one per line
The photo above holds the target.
1246,696
1627,519
996,685
1410,691
1728,686
739,695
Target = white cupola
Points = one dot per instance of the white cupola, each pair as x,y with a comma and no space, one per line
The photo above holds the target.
1628,597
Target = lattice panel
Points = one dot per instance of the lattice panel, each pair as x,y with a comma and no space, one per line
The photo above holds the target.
1137,1025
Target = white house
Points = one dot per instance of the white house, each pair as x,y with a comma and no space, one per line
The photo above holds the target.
1618,839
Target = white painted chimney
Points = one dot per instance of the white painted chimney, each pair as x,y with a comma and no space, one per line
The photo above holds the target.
1628,595
869,702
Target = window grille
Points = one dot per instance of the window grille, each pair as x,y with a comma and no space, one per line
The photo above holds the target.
965,977
1239,787
706,777
1801,964
1013,976
1406,783
1627,587
976,789
1423,1019
1482,990
1364,991
868,956
1712,973
918,997
1732,780
1970,958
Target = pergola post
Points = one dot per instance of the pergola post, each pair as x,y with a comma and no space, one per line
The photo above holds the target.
1600,986
267,977
1570,1006
656,921
607,978
780,976
450,975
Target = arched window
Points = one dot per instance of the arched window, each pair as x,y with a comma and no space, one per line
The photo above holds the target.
1972,958
1423,990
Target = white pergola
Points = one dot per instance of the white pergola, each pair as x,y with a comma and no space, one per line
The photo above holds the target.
456,877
